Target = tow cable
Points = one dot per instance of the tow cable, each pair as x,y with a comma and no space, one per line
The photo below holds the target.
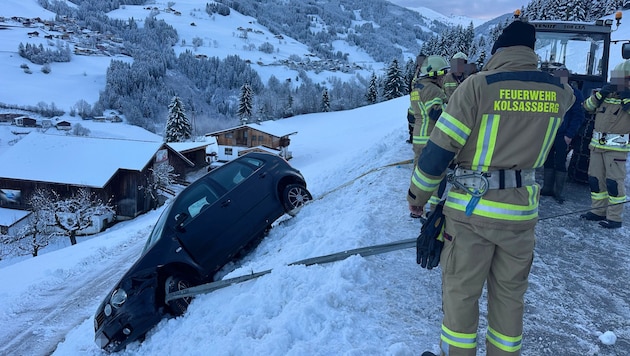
363,251
338,256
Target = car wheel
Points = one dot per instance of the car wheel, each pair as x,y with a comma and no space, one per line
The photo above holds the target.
294,197
176,283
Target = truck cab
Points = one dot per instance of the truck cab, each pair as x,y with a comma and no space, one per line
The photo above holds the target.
583,48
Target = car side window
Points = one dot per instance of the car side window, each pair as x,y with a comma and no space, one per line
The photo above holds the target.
230,175
195,200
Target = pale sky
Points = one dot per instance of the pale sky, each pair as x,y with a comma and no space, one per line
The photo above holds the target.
479,9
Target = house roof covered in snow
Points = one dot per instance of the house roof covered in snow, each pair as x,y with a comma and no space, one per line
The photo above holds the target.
269,127
8,217
190,146
74,160
273,128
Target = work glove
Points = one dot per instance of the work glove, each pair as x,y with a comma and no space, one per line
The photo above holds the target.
429,244
434,114
604,92
410,118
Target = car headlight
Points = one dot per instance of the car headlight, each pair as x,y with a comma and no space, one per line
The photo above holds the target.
119,297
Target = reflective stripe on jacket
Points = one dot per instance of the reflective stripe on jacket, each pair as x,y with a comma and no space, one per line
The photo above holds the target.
504,117
451,82
610,118
426,96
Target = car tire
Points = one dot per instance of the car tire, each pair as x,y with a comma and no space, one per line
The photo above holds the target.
294,196
176,283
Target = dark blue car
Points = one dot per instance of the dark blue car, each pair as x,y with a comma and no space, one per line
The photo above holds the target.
210,223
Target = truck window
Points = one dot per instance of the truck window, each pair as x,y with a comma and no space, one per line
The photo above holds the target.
554,48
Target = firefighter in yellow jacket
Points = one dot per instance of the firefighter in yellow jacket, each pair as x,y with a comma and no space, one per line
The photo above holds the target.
411,115
499,125
428,100
456,74
609,148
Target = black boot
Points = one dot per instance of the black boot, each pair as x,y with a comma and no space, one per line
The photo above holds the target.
548,182
609,224
592,217
558,191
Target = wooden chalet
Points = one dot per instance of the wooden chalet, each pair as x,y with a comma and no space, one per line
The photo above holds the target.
265,136
114,169
195,152
24,121
9,118
63,125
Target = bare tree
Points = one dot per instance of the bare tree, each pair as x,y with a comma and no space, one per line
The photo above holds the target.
36,234
161,177
76,213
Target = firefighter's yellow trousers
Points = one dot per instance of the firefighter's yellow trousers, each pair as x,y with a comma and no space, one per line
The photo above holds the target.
472,256
607,174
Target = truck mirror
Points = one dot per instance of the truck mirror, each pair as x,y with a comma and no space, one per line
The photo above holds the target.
625,51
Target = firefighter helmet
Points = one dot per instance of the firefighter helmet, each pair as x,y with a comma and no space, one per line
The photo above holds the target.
622,70
436,66
461,55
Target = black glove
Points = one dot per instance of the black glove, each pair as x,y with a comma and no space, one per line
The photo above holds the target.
410,118
428,247
434,114
606,90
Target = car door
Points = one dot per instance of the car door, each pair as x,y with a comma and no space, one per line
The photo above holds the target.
212,217
255,197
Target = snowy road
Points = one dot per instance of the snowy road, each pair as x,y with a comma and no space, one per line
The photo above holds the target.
41,316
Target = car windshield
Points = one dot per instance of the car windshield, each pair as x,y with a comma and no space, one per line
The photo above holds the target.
584,51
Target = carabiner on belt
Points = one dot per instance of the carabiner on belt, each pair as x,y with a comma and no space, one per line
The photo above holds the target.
477,192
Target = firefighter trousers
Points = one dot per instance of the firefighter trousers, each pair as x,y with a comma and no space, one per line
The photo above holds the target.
474,255
607,172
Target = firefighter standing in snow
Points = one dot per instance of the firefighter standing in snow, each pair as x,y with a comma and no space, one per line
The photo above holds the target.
609,148
555,172
456,74
411,114
428,100
500,124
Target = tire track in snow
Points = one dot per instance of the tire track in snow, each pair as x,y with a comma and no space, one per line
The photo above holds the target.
60,307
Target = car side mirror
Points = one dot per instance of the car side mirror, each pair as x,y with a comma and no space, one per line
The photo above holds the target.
625,51
179,221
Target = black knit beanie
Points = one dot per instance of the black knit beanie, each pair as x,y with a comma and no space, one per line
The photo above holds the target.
518,33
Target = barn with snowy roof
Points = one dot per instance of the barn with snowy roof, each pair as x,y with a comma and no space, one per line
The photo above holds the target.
114,169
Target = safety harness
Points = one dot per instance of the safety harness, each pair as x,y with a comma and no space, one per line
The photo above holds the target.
610,139
478,183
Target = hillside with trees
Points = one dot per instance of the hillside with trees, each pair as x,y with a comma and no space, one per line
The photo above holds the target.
211,87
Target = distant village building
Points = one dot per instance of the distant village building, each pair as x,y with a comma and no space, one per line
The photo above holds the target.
63,125
9,118
45,123
24,121
266,136
11,221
